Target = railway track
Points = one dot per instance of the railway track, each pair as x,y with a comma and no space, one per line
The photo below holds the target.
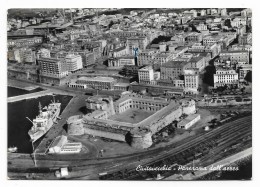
225,136
127,163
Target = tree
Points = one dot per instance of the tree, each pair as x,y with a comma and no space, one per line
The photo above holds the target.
110,24
248,76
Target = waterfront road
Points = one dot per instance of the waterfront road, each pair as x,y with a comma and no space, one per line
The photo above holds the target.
29,96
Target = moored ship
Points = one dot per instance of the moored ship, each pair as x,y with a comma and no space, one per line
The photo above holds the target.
44,121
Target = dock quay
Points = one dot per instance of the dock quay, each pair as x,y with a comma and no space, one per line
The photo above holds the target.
28,88
21,85
29,96
57,129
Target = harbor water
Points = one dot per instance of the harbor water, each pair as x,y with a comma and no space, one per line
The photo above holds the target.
18,125
12,92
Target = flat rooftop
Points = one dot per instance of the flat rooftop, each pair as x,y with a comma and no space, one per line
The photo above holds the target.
98,79
159,114
175,64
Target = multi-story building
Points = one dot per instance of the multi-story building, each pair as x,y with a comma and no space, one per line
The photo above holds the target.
73,62
245,39
43,53
163,57
118,52
237,47
28,55
202,27
98,83
184,57
146,74
223,12
22,55
11,55
241,30
210,40
236,22
178,39
194,37
203,12
145,57
225,77
87,56
234,56
136,42
53,67
130,70
246,12
172,70
191,80
213,49
89,59
198,62
197,47
121,61
24,42
243,70
94,47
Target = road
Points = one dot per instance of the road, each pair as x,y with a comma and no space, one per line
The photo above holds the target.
29,96
65,90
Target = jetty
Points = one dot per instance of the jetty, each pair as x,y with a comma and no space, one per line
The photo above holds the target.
29,96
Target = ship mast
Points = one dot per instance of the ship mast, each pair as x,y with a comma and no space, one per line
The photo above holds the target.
53,98
34,158
40,108
29,119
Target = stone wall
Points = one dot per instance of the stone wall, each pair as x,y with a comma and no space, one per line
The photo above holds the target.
188,107
141,140
75,125
158,124
109,135
100,103
76,129
140,133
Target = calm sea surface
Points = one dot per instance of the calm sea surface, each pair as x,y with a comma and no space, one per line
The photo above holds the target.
18,125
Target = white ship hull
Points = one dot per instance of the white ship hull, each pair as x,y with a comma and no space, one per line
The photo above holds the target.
35,135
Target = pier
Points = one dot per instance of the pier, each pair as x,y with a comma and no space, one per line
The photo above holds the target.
57,129
22,85
29,96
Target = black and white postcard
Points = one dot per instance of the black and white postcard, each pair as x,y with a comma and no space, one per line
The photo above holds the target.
135,94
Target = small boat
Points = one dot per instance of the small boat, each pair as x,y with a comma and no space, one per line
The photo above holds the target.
12,149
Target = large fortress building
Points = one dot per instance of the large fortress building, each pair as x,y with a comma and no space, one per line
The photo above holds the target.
101,121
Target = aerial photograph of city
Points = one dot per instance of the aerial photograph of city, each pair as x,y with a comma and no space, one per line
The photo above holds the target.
129,94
